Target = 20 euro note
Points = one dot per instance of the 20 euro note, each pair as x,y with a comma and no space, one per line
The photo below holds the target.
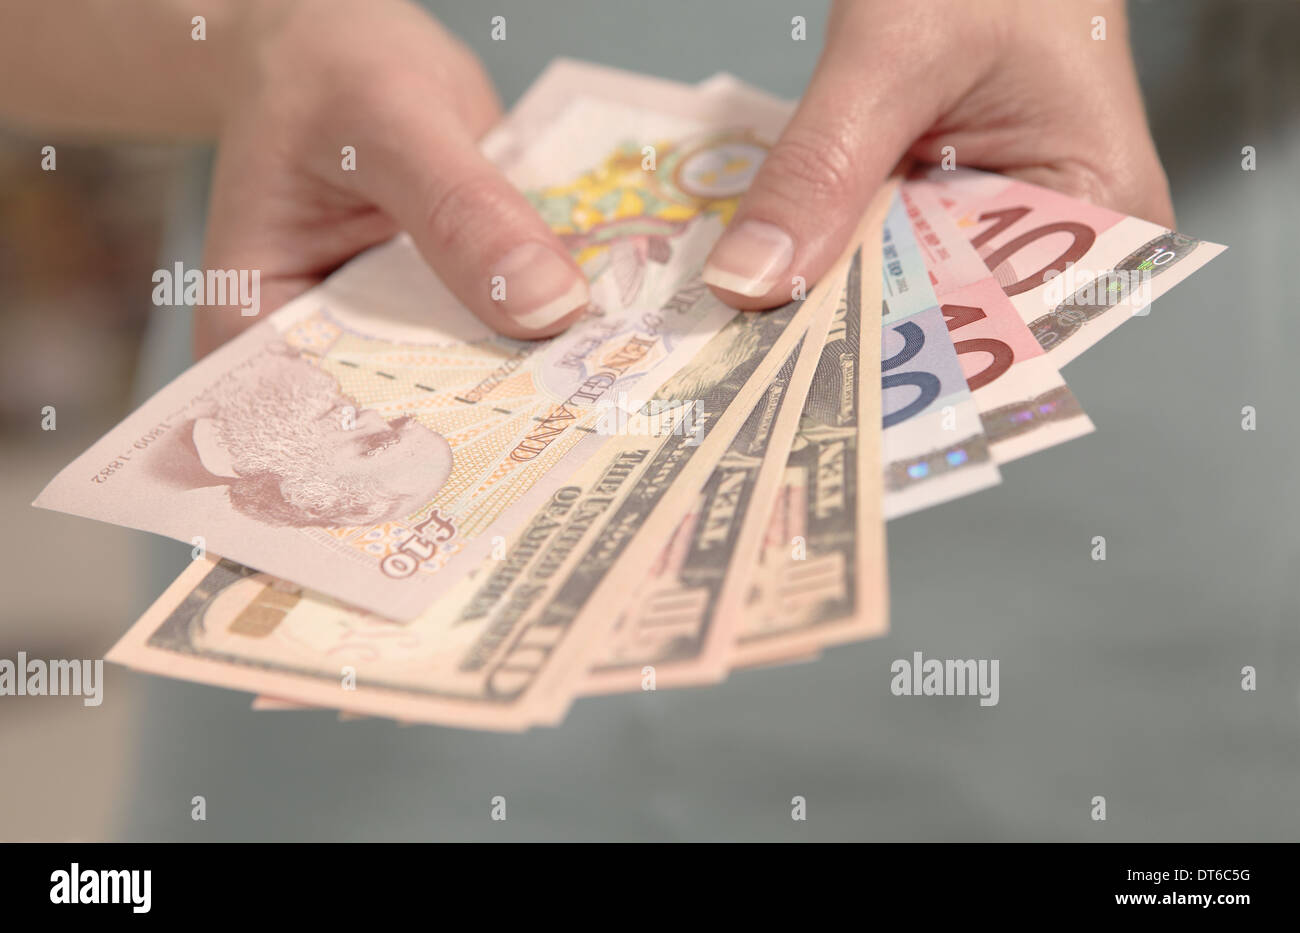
373,440
1024,404
934,445
505,647
1073,270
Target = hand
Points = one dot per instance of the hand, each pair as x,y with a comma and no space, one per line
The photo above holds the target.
1015,86
412,100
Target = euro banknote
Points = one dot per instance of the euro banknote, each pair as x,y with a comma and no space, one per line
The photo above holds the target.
1024,407
1024,404
1074,271
934,445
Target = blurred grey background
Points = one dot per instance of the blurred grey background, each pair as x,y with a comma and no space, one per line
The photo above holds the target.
1119,678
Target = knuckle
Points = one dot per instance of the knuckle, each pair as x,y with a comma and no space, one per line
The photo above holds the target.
813,166
464,207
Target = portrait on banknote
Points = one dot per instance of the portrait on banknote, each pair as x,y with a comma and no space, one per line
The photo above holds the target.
289,447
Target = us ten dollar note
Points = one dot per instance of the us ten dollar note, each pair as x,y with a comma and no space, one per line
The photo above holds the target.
821,574
670,632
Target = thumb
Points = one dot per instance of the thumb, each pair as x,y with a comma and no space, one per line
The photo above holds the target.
487,244
862,110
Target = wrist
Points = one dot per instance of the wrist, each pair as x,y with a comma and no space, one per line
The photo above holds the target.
248,29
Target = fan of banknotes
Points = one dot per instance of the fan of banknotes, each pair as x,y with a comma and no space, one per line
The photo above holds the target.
423,520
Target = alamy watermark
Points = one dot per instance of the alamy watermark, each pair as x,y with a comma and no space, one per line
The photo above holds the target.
1086,289
217,288
655,418
80,885
951,677
37,678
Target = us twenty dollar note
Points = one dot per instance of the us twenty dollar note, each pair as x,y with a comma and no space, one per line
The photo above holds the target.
372,439
506,647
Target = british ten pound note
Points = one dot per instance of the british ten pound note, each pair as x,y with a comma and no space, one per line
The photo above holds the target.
373,440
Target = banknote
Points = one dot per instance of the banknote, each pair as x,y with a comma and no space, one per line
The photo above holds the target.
1074,271
373,440
668,630
587,596
505,647
262,703
666,625
564,80
820,577
669,621
933,445
1024,404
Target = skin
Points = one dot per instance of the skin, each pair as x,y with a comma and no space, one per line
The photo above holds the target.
1017,86
413,101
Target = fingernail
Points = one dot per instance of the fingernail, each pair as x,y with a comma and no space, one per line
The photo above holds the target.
539,286
749,258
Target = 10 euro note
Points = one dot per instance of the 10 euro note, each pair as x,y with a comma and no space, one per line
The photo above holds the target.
1074,271
1024,404
373,440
